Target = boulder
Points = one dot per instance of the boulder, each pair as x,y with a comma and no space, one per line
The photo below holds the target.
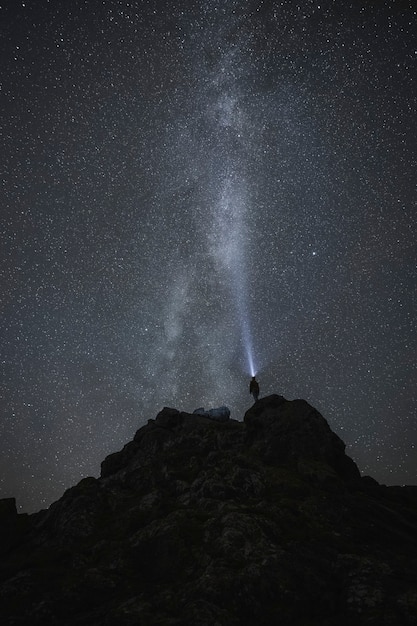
293,432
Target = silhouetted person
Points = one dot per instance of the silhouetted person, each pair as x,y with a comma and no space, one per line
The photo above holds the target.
254,388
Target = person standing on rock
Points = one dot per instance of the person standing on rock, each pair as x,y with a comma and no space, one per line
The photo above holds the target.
254,388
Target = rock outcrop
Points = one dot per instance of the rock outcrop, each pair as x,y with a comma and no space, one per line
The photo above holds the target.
198,522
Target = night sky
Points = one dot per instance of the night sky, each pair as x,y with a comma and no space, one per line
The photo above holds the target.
188,184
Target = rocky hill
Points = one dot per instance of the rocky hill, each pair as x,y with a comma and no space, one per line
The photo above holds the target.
204,523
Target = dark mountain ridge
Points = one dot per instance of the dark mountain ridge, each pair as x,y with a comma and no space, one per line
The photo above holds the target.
198,522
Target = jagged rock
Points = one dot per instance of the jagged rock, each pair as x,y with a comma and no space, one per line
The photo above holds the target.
7,509
12,525
294,432
197,523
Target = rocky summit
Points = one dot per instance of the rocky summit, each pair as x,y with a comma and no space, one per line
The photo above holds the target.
198,522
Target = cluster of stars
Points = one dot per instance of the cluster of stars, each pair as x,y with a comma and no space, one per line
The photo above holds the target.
181,179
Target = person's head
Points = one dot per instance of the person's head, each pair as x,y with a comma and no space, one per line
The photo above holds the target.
253,378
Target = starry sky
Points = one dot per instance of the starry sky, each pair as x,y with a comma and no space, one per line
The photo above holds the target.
189,186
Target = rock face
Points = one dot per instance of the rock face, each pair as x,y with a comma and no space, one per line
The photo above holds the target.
197,523
292,433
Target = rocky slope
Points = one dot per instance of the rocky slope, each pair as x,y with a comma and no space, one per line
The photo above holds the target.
197,522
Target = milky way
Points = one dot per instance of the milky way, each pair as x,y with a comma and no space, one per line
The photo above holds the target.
187,186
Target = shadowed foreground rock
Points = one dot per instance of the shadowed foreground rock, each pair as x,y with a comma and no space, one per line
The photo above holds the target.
201,523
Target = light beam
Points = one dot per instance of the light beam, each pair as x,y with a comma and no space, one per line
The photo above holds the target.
229,241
